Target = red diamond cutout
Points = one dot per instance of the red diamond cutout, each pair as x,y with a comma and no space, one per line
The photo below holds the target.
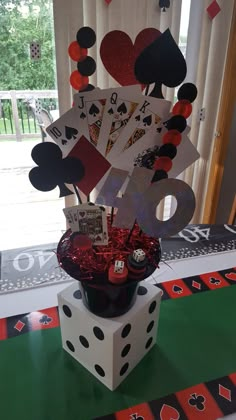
224,392
196,285
213,9
19,326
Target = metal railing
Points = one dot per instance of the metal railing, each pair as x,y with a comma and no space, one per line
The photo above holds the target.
17,119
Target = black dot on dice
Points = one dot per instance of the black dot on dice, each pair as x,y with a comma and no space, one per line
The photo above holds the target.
124,369
77,294
150,326
142,290
152,307
125,350
70,346
98,333
86,37
84,341
126,331
149,342
87,66
99,370
67,311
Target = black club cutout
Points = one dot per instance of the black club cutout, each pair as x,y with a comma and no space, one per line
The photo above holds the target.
67,311
77,294
126,331
150,326
52,170
142,291
99,370
124,369
152,307
125,350
148,343
84,341
70,346
98,333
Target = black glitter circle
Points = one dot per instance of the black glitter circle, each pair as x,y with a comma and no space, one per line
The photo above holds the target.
125,350
126,331
159,174
86,66
142,291
187,91
86,37
124,369
98,333
148,343
152,307
70,346
150,326
168,149
99,370
67,311
84,341
77,294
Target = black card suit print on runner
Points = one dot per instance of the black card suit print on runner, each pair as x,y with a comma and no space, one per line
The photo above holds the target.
197,401
214,281
177,289
93,110
122,109
82,115
70,133
45,320
147,120
52,170
136,417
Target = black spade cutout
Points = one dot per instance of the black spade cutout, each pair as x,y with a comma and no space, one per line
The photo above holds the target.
52,170
70,346
84,341
87,66
187,91
99,370
177,122
86,37
67,311
126,331
98,333
156,62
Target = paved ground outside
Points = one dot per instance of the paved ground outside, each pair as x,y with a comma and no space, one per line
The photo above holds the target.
27,216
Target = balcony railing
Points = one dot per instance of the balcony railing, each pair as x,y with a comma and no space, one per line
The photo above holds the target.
18,112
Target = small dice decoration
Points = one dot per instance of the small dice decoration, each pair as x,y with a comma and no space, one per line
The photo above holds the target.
119,266
139,255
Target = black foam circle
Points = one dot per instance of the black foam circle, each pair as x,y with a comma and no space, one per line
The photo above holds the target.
149,342
168,150
87,66
126,330
86,37
99,334
84,341
177,122
125,350
124,369
67,311
142,291
152,307
88,88
99,370
158,175
70,345
187,91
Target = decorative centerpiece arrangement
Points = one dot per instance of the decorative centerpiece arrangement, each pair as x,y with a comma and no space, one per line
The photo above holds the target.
123,149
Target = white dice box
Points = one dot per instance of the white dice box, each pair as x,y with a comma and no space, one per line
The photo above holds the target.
109,348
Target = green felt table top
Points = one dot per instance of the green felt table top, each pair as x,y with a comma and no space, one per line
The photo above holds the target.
196,343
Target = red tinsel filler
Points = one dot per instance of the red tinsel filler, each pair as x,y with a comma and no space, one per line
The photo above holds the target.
94,262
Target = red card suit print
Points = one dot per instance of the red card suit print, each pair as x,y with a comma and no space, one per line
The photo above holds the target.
169,413
119,61
231,276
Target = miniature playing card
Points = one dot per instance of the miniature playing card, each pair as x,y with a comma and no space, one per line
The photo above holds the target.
35,51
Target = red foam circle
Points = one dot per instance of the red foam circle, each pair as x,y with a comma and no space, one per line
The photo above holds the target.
77,81
75,52
182,107
163,163
172,136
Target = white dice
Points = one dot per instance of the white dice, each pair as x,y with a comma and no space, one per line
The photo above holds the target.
139,255
109,348
119,266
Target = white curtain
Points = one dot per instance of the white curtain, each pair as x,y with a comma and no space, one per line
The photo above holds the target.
206,51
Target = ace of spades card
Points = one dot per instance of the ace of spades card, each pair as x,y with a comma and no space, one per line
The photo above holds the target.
148,114
91,220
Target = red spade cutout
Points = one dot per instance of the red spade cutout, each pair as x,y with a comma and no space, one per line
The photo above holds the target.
118,53
169,413
231,276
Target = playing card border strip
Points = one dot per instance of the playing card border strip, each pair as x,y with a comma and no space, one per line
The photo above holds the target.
7,329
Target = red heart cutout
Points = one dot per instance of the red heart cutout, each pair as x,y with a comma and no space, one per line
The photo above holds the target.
118,53
231,276
169,413
82,213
